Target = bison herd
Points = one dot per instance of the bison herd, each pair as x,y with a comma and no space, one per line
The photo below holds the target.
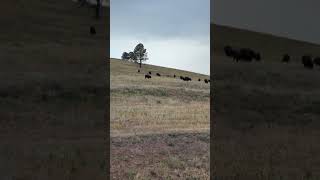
242,54
247,54
309,62
184,78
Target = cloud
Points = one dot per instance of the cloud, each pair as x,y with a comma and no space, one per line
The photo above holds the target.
165,18
176,33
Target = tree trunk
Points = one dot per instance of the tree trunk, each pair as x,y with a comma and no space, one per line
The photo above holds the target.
140,63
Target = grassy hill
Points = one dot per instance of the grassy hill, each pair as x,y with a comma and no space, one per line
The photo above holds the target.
52,80
271,47
267,113
159,126
158,104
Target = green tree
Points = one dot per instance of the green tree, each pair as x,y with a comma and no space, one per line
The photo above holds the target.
140,54
125,56
132,57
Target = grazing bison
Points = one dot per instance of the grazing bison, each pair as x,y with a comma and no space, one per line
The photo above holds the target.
147,76
174,76
257,57
246,54
208,80
316,61
307,62
149,72
199,79
205,80
187,79
228,51
92,30
286,58
181,77
158,74
138,70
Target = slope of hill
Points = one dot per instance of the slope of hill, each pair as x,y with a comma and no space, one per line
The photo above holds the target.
159,126
158,104
271,47
52,80
267,113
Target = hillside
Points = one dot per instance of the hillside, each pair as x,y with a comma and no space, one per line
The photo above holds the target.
52,80
266,113
271,47
158,104
159,126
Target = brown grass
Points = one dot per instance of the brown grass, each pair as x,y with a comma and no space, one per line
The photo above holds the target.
146,116
52,80
159,104
266,120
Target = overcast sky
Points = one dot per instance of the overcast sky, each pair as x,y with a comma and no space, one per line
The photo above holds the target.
176,33
295,19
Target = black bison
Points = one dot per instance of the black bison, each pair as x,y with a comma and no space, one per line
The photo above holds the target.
199,79
244,54
174,76
181,77
158,74
286,58
208,80
187,79
205,80
228,51
147,76
307,61
93,30
257,57
149,72
316,61
138,70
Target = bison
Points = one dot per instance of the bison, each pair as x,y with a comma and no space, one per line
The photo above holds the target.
205,80
158,74
257,56
187,79
286,58
174,76
149,72
307,61
228,51
147,76
138,70
199,79
316,61
92,30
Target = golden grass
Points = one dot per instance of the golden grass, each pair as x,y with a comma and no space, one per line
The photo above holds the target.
159,104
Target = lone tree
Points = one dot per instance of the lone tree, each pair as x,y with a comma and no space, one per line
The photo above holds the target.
140,54
132,57
125,56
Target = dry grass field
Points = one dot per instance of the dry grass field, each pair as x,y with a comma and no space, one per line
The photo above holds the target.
52,76
267,113
159,126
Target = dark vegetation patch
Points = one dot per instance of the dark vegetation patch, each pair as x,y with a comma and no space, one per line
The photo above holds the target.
179,93
52,91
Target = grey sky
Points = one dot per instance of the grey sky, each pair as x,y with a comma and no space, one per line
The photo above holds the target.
176,33
295,19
